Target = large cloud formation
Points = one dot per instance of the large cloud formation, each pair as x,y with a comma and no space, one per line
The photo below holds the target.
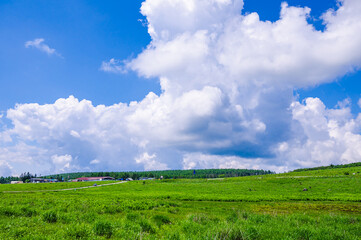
227,101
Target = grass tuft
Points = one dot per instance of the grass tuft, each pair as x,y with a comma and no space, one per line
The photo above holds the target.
50,217
103,228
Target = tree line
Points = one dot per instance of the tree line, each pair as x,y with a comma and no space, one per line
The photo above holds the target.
25,177
357,164
167,174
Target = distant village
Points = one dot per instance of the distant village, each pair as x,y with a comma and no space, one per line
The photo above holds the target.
81,179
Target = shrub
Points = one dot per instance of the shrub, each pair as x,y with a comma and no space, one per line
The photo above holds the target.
89,217
103,228
161,219
146,226
78,232
173,236
19,233
8,212
112,209
28,212
133,217
50,216
67,218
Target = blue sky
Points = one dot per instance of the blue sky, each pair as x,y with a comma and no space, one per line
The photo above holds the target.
214,83
86,33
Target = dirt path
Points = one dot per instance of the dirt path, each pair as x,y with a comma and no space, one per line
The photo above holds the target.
66,189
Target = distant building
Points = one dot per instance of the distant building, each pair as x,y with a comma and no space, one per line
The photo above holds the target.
87,179
129,179
37,180
16,182
145,178
42,180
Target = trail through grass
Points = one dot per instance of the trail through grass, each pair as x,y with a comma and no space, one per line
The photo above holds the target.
64,189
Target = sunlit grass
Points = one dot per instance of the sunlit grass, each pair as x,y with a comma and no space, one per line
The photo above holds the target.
257,207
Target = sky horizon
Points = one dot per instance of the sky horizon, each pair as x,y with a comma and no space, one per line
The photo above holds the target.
178,84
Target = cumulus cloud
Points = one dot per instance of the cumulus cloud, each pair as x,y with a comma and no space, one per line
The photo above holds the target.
150,162
19,157
227,83
5,169
205,161
324,136
61,163
39,44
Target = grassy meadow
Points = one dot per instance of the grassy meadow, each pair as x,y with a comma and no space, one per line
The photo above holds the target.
255,207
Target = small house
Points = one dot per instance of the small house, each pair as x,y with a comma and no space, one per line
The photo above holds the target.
16,182
42,180
37,180
87,179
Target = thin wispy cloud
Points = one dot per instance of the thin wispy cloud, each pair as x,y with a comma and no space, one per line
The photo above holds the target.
113,66
39,44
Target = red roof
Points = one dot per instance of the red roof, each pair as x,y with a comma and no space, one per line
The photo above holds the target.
93,178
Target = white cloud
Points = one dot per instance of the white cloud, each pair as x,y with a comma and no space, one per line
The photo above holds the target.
169,18
22,157
323,136
227,99
95,161
75,134
205,161
244,50
113,66
150,162
39,44
62,163
5,169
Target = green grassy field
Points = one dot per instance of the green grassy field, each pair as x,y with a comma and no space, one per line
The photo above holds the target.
257,207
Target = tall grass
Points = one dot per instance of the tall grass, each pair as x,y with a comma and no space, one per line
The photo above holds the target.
275,208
